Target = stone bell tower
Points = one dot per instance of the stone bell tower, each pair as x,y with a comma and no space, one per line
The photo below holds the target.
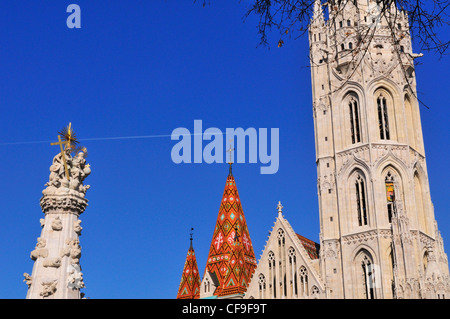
378,234
57,272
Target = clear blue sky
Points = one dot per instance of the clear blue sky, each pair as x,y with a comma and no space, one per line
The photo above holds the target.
145,68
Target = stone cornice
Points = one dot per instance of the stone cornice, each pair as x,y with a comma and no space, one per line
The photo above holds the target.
65,204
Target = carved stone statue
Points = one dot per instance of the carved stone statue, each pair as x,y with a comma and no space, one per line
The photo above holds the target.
73,250
40,250
28,280
57,224
48,288
77,227
52,262
58,183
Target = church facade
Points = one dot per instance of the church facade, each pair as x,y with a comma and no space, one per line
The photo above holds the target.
379,238
378,234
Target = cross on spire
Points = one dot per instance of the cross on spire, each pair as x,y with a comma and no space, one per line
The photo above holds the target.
230,150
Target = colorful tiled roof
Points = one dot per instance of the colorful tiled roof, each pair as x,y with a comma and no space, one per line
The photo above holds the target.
311,247
231,256
190,279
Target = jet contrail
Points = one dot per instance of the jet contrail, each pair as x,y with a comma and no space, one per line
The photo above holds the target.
101,139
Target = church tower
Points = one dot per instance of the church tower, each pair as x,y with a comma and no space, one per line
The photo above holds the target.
378,233
56,271
231,259
190,278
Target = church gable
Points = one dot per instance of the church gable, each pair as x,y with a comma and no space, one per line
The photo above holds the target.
286,268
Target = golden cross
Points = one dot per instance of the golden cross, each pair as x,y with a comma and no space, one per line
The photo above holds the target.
230,150
63,155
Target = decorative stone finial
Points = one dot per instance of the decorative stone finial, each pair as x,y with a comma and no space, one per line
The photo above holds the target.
280,208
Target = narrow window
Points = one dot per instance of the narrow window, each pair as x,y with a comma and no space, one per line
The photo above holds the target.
361,205
383,122
342,47
340,24
349,23
354,121
303,274
272,274
368,277
390,196
262,286
350,46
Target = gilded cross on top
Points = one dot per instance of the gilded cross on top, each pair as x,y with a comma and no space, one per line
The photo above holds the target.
69,141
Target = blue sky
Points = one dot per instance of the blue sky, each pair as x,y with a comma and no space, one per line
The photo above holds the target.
145,68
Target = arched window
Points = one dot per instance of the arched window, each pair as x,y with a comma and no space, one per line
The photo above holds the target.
207,286
366,273
354,120
361,201
303,274
282,258
350,45
262,286
272,274
369,276
390,195
293,270
315,292
383,121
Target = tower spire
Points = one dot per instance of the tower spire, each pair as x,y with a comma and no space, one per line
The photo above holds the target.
190,279
318,17
231,258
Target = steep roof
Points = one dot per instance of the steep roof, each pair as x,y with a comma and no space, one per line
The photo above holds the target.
311,247
190,279
231,257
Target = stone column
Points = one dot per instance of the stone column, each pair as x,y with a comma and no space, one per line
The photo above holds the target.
56,272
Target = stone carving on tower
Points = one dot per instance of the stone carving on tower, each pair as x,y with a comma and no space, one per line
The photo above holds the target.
56,271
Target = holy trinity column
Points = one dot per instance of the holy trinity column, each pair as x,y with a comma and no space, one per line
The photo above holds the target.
56,271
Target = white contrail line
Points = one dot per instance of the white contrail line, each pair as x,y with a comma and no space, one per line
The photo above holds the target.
104,138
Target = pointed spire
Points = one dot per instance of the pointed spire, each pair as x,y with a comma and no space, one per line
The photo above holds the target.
231,256
190,279
280,209
318,17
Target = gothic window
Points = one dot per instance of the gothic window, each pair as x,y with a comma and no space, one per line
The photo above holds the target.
207,286
315,292
272,274
383,121
293,269
390,196
350,45
354,121
303,274
361,201
282,258
342,46
368,277
262,286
